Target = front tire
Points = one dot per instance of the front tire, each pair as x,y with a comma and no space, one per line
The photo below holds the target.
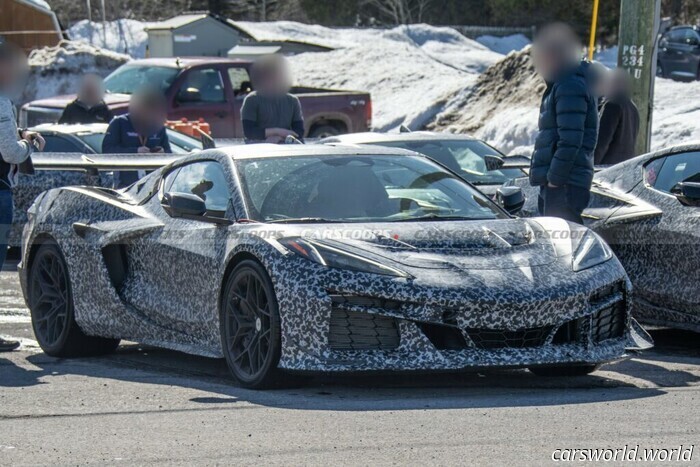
51,307
250,327
564,370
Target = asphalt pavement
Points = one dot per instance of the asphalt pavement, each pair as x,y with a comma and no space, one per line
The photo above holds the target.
143,405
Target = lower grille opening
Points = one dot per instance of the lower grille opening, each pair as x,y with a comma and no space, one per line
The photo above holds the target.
353,330
444,337
568,333
497,339
609,323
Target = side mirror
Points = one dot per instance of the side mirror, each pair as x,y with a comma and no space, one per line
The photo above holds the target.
189,95
183,204
493,162
510,198
688,193
516,161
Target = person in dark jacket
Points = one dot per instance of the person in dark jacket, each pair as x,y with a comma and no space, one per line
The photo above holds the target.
562,161
619,122
141,131
89,106
270,113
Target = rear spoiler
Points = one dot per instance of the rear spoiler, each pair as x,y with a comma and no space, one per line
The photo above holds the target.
516,162
95,163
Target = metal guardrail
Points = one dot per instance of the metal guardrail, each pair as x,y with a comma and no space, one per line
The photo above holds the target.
473,32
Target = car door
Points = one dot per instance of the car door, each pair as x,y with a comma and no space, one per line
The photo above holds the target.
665,252
201,93
175,271
241,84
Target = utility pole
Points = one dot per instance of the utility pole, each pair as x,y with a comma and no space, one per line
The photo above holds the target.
639,28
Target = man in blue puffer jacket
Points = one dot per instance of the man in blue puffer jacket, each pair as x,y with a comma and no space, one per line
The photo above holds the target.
562,162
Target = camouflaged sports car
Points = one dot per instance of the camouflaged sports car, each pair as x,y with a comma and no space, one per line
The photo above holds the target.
319,258
648,210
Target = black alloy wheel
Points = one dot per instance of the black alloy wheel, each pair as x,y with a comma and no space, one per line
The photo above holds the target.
250,326
51,307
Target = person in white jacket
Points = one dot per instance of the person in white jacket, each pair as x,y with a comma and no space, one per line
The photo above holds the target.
16,145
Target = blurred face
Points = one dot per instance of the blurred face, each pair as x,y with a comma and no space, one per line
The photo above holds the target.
13,75
619,83
91,90
148,113
276,78
555,49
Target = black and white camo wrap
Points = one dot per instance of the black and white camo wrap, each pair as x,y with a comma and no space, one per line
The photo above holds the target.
508,275
655,237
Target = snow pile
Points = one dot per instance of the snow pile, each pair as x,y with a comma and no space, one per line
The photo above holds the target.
504,45
53,70
501,107
411,71
126,36
676,116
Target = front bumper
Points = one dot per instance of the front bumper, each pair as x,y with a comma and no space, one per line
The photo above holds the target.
358,322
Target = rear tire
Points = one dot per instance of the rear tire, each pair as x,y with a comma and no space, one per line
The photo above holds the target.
557,371
324,131
250,327
51,307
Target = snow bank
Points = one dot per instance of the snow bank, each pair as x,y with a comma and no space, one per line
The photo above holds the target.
123,36
504,45
502,108
607,57
54,70
411,71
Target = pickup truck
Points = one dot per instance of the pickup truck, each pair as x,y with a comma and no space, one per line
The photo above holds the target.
213,89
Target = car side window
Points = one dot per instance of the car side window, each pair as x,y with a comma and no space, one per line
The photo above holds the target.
203,85
676,36
56,143
204,179
240,81
676,169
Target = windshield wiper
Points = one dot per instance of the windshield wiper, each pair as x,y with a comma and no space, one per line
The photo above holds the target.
436,217
305,220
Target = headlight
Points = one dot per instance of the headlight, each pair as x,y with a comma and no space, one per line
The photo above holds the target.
591,251
332,257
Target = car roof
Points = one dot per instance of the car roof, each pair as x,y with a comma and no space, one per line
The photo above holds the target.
186,62
371,137
255,151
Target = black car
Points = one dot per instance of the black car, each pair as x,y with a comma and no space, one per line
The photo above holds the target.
472,159
679,53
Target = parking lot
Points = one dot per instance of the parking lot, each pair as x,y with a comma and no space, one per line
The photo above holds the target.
145,405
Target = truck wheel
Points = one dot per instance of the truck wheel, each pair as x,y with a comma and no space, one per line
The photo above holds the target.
324,131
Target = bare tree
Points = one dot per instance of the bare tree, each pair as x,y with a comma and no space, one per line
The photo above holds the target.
400,11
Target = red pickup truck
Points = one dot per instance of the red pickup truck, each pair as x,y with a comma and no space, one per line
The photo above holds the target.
213,89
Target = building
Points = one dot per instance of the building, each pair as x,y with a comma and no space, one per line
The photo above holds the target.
29,23
252,50
194,35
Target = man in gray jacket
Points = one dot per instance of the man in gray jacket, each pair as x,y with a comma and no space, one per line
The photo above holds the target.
16,145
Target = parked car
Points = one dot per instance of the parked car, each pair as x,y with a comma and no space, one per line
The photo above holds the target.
648,210
320,258
679,53
67,160
213,89
472,159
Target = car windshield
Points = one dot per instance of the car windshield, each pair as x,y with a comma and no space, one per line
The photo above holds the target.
179,143
128,78
381,188
466,157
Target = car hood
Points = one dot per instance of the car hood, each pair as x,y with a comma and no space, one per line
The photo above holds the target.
112,100
490,244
